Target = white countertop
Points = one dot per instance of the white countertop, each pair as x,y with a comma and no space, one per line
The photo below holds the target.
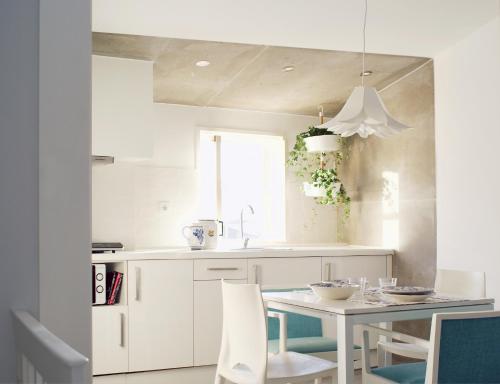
278,251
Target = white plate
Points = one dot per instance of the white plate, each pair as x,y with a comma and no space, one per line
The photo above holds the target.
406,298
407,291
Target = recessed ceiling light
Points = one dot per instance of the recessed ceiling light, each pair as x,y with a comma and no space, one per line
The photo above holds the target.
366,73
288,68
203,63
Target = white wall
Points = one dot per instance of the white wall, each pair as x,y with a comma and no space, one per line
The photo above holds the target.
467,80
400,27
64,171
126,196
18,170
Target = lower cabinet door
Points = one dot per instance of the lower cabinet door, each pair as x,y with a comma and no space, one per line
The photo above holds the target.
208,320
160,296
109,339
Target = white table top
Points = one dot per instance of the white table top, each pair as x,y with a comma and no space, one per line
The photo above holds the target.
309,300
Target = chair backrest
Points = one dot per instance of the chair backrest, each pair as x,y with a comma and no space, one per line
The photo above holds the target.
297,325
244,330
460,283
465,348
42,357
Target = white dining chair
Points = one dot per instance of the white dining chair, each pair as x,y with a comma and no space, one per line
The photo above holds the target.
448,282
464,348
244,357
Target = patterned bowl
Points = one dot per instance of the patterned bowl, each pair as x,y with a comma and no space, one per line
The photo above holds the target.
334,290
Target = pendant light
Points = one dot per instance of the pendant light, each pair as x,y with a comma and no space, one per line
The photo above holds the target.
364,112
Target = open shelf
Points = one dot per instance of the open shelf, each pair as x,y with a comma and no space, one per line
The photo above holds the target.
118,266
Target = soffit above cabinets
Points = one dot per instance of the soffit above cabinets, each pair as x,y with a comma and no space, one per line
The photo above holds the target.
251,77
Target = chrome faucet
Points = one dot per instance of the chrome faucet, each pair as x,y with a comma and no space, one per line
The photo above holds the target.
245,239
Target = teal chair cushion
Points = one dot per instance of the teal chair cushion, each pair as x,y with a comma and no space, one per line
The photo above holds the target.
412,373
306,345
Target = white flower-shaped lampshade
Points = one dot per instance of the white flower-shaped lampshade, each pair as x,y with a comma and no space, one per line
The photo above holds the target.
364,113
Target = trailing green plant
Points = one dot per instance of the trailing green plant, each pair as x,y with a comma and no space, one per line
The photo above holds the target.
320,169
336,194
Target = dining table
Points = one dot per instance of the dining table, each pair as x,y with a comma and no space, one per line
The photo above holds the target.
351,312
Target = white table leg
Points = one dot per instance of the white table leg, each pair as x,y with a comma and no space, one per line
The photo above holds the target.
384,358
345,348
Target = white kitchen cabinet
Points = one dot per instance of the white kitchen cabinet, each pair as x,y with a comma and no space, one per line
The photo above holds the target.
109,339
284,272
339,267
122,108
160,296
208,320
170,311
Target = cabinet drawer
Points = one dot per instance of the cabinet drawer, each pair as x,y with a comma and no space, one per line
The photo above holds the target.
342,267
289,272
216,269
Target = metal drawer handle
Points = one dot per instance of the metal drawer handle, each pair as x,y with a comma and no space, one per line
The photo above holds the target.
137,284
222,269
122,329
256,270
328,270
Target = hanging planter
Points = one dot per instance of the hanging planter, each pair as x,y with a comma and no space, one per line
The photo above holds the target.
322,144
314,158
309,147
334,192
313,191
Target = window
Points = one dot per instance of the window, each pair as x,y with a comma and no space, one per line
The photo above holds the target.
241,169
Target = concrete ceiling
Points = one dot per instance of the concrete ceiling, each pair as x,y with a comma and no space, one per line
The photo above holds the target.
245,76
400,27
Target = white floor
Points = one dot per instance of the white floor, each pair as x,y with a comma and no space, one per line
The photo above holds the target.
197,375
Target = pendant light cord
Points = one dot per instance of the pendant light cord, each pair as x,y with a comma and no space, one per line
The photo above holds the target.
364,43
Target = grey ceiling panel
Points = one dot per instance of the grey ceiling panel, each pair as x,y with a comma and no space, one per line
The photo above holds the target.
246,76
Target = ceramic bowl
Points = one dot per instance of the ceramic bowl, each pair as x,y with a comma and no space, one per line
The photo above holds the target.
334,290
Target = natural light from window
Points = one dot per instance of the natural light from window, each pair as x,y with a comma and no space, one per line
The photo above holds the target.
240,169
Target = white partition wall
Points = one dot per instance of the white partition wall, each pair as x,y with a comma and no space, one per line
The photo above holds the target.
64,180
467,146
45,170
